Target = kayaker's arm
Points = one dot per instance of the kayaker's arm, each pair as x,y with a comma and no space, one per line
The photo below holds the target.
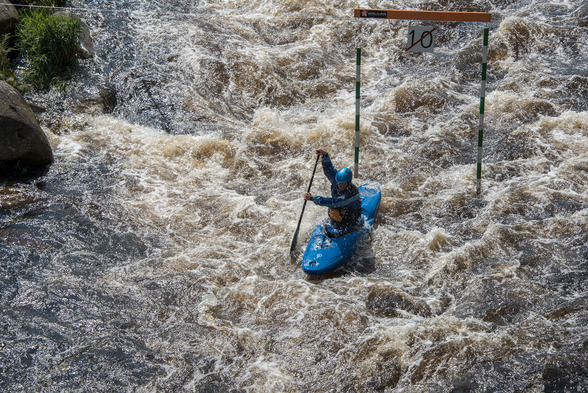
334,203
328,168
328,202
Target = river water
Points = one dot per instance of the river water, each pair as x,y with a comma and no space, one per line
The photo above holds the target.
153,256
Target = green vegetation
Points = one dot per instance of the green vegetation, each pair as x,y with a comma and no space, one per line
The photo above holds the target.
41,3
5,69
6,72
48,43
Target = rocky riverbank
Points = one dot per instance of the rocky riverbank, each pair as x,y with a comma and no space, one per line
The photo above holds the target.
24,144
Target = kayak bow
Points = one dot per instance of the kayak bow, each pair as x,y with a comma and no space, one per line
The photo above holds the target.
325,253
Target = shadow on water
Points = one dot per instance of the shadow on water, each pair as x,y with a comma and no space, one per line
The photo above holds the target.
16,172
363,263
60,234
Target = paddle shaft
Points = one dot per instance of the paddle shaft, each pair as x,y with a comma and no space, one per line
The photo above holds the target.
295,239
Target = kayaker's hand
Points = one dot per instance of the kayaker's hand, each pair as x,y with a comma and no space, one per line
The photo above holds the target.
308,196
322,152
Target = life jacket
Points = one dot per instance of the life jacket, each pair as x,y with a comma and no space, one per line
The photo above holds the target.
337,215
345,216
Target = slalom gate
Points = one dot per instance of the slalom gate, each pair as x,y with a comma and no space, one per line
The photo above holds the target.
421,39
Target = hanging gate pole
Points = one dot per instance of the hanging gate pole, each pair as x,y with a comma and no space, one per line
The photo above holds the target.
482,103
357,100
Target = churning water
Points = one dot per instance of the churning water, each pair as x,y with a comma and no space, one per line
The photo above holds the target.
153,255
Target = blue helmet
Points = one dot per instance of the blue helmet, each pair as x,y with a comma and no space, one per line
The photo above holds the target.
344,175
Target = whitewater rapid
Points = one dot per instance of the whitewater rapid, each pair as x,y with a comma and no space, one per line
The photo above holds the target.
153,256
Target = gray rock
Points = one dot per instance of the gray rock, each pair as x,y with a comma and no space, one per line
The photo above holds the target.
108,98
86,45
21,138
86,48
8,17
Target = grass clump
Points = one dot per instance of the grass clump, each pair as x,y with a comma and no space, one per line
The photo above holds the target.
4,61
6,72
48,43
41,3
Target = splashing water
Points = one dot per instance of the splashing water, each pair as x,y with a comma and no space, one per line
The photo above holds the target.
153,256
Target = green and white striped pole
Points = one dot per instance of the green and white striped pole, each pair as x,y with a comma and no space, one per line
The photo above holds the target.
357,79
482,103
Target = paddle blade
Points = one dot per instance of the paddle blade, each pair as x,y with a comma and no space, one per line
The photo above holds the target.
294,242
295,239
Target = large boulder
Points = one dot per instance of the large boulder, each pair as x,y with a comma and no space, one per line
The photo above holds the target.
86,45
8,17
22,140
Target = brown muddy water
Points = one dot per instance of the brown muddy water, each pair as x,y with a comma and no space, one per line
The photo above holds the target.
153,256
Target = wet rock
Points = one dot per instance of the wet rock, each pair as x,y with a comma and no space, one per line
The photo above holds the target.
104,102
8,17
86,46
108,97
37,109
23,141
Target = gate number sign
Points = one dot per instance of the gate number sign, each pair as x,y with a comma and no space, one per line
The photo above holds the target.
421,38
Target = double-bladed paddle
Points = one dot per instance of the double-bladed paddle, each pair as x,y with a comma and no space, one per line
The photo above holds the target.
295,239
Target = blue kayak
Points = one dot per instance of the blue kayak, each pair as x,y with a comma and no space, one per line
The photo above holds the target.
326,253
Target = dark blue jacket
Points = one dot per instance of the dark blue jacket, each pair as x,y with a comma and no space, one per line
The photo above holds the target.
347,202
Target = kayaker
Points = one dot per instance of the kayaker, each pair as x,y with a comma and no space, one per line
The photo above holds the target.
345,203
